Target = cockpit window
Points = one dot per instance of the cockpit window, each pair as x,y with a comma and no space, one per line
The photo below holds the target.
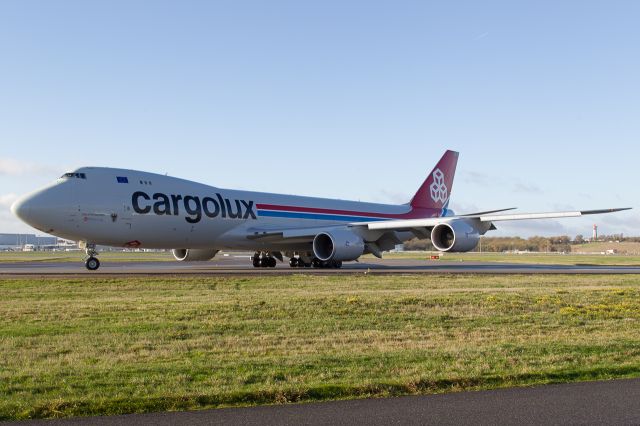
73,175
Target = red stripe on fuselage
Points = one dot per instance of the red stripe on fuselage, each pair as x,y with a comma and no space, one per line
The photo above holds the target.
413,214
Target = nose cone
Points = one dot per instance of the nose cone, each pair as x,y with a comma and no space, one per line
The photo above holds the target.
39,208
22,208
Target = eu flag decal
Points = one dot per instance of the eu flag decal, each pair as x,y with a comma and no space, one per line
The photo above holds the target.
122,179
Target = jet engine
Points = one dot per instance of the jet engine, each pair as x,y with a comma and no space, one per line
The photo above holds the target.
455,236
338,245
193,255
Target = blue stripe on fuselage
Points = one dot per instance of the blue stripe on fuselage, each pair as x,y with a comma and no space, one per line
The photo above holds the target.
301,215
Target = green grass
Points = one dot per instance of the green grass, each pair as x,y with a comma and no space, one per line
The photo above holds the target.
623,248
538,258
92,346
77,256
527,258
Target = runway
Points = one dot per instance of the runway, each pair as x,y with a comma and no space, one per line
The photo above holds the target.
239,265
586,403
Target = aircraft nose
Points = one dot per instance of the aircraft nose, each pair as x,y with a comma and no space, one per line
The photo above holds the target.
38,208
22,208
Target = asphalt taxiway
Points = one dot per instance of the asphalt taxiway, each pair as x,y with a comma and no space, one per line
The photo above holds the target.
587,403
240,265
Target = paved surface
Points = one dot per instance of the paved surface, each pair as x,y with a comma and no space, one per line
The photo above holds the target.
239,265
610,402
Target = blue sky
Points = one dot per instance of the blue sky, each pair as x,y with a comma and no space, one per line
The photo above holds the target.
352,100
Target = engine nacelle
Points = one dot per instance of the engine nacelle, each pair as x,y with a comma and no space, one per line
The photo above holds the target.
455,236
338,245
193,255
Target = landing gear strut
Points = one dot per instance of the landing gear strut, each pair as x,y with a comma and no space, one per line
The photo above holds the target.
92,263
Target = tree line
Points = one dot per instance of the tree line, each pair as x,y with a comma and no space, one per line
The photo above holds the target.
561,243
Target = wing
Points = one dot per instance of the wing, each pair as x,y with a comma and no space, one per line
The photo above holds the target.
274,234
411,224
382,235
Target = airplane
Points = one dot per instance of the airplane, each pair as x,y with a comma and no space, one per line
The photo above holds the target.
129,208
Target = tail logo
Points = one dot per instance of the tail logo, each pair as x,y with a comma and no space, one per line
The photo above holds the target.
438,188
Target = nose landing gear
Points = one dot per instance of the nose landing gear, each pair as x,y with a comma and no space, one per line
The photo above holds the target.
92,263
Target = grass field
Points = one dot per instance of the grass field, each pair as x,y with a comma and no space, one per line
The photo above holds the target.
78,256
529,258
120,345
626,247
539,258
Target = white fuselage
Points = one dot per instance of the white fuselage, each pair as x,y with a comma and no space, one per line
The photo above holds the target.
119,207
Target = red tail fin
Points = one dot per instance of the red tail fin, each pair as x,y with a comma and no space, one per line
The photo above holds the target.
436,189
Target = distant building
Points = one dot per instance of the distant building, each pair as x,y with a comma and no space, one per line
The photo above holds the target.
19,241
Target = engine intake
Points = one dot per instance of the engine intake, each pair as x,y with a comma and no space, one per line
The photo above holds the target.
193,255
455,236
339,245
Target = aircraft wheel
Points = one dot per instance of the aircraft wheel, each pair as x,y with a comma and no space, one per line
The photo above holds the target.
316,263
271,262
255,260
293,262
92,263
337,264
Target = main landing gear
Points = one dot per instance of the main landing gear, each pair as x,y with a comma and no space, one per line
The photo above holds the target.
263,260
91,262
299,262
317,263
267,260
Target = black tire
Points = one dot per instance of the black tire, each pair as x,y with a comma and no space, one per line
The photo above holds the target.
255,260
316,263
337,264
293,262
303,264
264,262
92,263
272,262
